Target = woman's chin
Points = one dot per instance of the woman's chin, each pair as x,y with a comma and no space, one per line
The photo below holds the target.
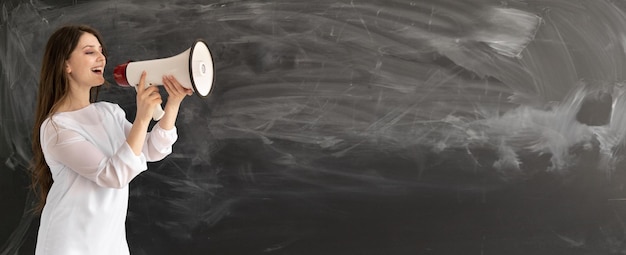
99,82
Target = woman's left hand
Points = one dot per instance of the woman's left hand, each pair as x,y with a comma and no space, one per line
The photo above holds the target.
176,92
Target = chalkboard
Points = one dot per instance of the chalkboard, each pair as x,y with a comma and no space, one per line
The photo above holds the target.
355,126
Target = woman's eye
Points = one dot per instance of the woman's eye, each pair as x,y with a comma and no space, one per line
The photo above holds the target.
89,52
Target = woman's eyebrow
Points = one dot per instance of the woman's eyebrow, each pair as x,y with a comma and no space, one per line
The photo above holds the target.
90,46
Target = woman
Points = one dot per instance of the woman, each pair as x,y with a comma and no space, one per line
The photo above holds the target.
86,152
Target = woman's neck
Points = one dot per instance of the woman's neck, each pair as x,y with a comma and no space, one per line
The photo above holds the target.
75,100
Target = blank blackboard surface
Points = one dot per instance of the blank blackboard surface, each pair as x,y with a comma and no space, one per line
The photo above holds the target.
356,127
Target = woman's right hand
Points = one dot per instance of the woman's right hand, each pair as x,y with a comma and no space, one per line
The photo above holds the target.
147,99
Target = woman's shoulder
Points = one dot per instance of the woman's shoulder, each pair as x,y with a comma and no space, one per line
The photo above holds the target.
104,105
112,108
95,113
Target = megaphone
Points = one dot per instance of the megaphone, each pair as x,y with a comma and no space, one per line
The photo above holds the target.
193,68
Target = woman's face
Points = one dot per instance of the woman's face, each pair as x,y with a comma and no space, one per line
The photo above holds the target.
85,67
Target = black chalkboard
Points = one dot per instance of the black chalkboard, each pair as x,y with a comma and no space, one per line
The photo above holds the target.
356,126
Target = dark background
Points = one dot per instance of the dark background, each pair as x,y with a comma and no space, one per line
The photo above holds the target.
355,127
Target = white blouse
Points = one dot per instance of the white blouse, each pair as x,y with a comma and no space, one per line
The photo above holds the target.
91,165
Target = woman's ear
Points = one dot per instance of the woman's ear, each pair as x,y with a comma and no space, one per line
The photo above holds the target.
67,68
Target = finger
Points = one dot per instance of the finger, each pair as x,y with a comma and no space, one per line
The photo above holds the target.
175,85
179,87
174,89
147,92
154,98
167,84
142,81
152,89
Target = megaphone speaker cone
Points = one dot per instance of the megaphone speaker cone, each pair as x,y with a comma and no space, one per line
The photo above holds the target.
201,68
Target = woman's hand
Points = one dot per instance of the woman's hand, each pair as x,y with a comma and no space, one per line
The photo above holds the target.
147,99
176,92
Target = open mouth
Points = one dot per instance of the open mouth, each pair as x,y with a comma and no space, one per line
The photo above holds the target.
97,70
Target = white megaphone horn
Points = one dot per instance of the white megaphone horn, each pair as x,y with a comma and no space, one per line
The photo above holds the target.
193,68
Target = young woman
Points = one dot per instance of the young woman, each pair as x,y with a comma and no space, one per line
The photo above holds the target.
86,152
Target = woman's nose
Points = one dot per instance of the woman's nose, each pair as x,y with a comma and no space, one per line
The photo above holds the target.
101,56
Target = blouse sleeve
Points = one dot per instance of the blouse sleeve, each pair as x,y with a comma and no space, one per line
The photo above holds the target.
158,143
71,149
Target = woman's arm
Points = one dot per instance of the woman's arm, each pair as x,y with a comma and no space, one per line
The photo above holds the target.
157,144
147,99
71,149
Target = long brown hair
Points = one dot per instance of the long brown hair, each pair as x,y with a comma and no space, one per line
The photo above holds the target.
53,89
